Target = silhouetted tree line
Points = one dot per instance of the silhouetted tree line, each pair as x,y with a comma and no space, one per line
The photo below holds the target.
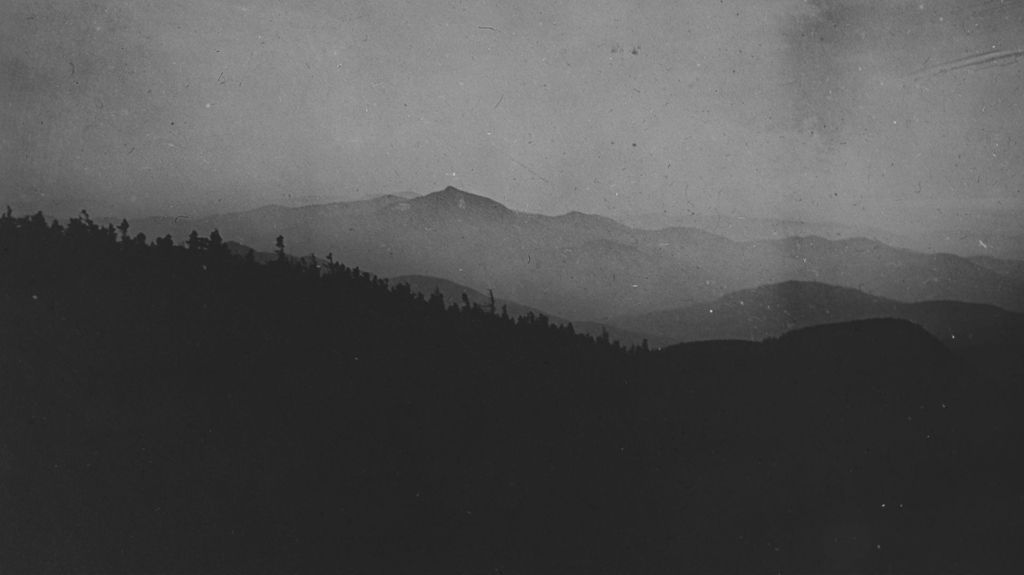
172,407
317,291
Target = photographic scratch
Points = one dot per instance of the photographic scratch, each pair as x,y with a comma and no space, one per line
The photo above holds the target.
979,60
531,170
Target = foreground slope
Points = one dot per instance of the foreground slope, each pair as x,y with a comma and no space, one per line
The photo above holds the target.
179,410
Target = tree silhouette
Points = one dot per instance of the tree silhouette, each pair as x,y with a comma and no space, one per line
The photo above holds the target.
279,248
196,243
123,228
216,243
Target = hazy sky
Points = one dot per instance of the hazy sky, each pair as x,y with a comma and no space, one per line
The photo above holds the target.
885,112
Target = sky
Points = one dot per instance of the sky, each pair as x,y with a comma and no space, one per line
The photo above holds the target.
905,115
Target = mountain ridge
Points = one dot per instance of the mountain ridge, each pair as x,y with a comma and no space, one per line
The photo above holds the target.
581,266
771,310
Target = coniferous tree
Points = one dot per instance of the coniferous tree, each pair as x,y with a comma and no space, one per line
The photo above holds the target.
436,299
279,248
216,244
194,242
123,228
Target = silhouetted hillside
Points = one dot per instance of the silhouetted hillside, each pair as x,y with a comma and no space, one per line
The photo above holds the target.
452,291
173,408
796,433
772,310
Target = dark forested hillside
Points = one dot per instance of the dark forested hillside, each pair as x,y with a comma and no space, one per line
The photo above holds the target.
452,291
170,407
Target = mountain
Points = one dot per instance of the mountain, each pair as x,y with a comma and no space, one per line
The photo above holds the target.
1013,269
1000,237
403,195
771,310
895,273
584,267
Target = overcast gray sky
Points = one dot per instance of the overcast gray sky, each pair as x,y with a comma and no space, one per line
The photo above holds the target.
900,114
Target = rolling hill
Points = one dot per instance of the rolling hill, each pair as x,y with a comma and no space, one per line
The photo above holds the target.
771,310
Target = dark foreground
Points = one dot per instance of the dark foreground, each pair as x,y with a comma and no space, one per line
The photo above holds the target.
170,409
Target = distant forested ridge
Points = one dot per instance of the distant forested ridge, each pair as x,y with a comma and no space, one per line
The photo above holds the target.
587,267
168,406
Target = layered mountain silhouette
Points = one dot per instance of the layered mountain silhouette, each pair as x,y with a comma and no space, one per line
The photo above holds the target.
1013,269
993,235
771,310
581,266
177,408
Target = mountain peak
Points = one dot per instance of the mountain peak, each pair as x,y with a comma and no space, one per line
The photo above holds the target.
591,220
453,192
452,198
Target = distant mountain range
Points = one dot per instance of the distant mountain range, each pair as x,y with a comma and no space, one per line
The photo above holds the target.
771,310
581,266
995,234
